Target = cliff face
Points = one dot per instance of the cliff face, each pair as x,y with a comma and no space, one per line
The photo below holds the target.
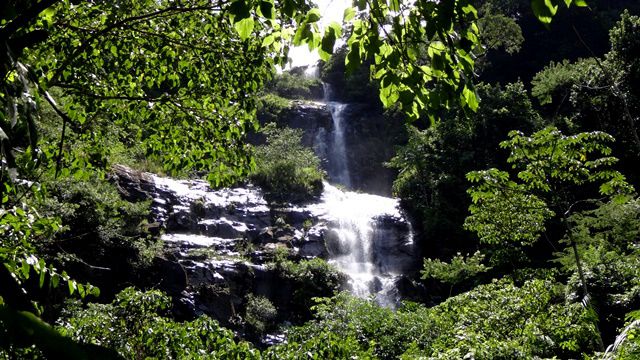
370,138
224,242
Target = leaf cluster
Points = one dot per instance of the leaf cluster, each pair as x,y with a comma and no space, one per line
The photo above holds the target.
135,325
549,164
493,321
457,270
285,169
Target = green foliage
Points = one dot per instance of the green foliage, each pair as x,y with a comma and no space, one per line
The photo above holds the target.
21,228
25,336
324,345
555,82
548,161
607,238
493,321
600,93
377,330
457,270
259,314
502,211
24,272
432,165
135,325
500,320
98,223
445,32
625,43
354,86
500,32
272,107
292,86
545,10
627,343
285,169
308,279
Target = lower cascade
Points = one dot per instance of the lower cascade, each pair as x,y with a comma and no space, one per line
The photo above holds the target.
363,245
222,238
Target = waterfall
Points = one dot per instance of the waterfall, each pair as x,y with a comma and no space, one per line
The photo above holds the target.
367,238
369,241
338,162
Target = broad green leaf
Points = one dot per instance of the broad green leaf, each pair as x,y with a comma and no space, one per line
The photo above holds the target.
239,10
267,9
470,98
352,60
313,15
328,40
544,10
268,40
244,27
349,13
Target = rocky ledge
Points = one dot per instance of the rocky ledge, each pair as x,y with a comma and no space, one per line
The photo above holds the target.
225,240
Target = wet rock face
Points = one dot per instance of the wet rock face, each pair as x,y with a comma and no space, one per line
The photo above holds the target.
223,240
370,139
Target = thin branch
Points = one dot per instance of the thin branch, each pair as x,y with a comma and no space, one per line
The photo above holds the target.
87,44
617,92
25,18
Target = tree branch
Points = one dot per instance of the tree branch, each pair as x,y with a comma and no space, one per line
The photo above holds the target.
87,44
25,18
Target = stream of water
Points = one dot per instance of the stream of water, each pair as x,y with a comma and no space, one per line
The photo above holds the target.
354,237
365,236
337,150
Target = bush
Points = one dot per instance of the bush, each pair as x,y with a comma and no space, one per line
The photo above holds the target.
493,321
458,270
105,240
286,170
292,86
320,346
271,107
260,314
308,279
135,324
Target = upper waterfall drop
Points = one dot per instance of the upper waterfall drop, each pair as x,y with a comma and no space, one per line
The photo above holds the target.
338,162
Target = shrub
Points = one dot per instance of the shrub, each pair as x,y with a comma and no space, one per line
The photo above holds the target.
320,346
286,170
494,321
292,86
105,239
135,324
271,107
459,269
260,314
309,279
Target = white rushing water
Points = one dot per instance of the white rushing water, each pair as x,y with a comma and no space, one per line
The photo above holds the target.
338,162
357,242
366,236
338,153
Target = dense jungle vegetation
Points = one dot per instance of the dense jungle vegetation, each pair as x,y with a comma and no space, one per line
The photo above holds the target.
518,167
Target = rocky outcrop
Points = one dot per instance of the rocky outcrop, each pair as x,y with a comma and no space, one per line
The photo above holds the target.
224,240
371,138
